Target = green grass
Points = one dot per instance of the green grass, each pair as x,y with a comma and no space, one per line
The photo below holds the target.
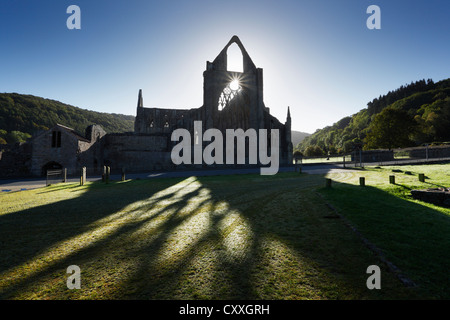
414,235
228,237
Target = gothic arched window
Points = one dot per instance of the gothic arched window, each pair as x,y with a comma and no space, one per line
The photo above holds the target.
230,91
235,60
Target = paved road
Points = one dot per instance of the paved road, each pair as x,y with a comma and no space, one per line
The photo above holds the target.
26,184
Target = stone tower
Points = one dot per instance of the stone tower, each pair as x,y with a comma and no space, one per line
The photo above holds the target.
217,92
231,100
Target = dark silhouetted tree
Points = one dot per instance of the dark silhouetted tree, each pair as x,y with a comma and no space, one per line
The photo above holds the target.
391,128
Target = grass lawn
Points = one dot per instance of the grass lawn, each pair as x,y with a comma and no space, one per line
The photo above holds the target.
413,235
226,237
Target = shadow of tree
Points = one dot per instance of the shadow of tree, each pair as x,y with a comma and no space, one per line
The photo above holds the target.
412,234
246,237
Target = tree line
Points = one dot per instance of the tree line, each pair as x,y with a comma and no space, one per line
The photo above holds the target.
412,115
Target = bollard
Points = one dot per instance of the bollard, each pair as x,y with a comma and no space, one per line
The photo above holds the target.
65,175
362,181
328,183
108,172
392,179
123,174
104,174
83,176
421,177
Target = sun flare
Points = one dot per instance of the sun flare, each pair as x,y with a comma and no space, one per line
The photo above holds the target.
234,85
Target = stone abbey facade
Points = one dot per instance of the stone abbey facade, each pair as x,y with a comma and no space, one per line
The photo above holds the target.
231,100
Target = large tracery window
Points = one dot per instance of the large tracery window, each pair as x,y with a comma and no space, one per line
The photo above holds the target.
230,91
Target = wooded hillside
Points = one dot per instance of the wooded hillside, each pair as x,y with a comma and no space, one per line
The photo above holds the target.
411,115
21,116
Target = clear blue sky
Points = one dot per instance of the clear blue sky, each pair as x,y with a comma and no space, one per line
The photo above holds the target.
318,56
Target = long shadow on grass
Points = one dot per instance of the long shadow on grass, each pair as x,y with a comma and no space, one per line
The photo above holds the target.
412,234
31,233
245,237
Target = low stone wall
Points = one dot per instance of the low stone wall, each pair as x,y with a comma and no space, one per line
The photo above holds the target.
373,156
437,196
433,152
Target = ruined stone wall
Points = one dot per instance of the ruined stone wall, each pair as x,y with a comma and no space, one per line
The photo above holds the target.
43,153
90,153
94,133
73,153
244,110
137,152
15,160
164,121
270,122
236,115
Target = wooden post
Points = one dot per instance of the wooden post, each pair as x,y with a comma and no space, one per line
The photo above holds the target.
392,179
123,174
65,175
362,181
360,157
328,183
108,171
421,177
82,176
104,174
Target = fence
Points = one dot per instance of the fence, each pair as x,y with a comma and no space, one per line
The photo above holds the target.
56,176
81,174
361,158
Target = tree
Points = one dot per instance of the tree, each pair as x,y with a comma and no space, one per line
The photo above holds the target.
17,136
313,151
389,129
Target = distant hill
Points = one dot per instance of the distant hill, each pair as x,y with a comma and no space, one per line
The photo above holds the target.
22,116
298,137
425,103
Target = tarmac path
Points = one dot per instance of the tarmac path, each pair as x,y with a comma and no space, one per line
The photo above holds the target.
12,185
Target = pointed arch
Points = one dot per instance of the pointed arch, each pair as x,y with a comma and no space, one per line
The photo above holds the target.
220,62
235,58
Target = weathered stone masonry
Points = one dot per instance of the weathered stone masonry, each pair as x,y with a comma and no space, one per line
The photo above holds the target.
223,108
149,147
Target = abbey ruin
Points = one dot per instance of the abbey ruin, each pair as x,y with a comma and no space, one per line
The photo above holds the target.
231,100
